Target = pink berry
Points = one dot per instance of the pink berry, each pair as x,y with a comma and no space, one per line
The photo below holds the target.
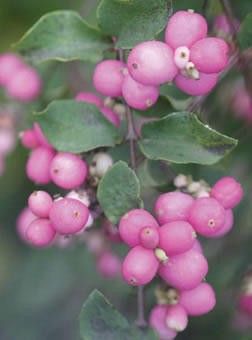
40,233
229,222
176,318
173,206
23,221
111,116
108,77
245,303
68,171
68,216
29,139
210,55
90,98
40,203
25,85
9,65
176,237
181,56
185,28
199,300
196,87
7,140
139,266
149,237
228,192
139,96
132,223
184,271
158,323
41,137
222,25
109,265
207,216
151,63
38,165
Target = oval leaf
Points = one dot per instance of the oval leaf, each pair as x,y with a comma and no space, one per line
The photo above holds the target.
63,36
76,127
119,191
132,21
182,138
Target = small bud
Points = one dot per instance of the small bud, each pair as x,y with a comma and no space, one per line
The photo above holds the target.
161,255
180,181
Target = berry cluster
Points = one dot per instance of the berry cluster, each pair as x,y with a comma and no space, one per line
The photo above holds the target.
188,57
167,246
14,74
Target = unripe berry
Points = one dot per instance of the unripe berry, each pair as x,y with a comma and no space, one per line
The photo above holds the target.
158,323
176,318
176,237
137,95
41,137
229,222
210,55
111,116
228,192
40,203
207,216
68,171
25,85
101,163
185,28
9,65
68,216
198,301
149,237
196,87
181,56
109,265
151,63
23,221
132,223
173,206
89,97
139,266
38,165
184,271
40,233
29,139
108,77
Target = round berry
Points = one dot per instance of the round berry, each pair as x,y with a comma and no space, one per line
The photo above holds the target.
9,65
40,233
184,271
132,223
25,84
151,63
185,28
181,56
199,300
68,171
207,216
109,265
229,222
139,266
209,55
41,137
108,77
139,96
90,98
68,216
196,87
40,203
228,192
222,25
111,116
38,165
24,220
29,139
245,303
101,163
176,318
173,206
176,237
158,323
149,237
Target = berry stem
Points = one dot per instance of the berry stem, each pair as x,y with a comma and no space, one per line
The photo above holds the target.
140,321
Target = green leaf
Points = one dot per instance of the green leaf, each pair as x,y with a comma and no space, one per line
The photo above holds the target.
62,36
76,126
245,32
160,109
132,21
154,173
119,191
182,138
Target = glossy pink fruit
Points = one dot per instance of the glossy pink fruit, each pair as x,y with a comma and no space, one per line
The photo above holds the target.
109,265
40,233
9,65
24,220
41,137
229,222
29,139
158,323
176,318
245,303
40,203
149,237
196,87
228,192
